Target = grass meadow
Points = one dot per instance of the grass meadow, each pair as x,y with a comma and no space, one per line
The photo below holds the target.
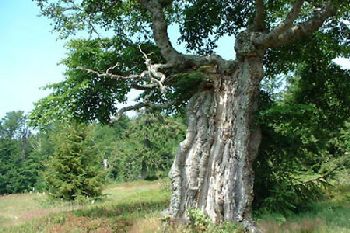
135,207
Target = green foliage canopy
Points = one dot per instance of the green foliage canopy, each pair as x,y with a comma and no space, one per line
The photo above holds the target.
87,96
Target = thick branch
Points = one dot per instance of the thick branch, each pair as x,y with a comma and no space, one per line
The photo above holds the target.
128,109
298,31
291,17
175,60
222,65
259,22
138,106
286,24
160,31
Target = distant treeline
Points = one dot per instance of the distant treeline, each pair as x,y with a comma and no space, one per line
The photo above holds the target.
129,149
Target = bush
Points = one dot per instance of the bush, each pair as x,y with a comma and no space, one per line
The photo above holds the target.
199,222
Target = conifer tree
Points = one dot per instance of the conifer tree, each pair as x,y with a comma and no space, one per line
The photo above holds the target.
73,171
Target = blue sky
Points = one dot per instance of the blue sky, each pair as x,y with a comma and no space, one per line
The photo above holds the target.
29,54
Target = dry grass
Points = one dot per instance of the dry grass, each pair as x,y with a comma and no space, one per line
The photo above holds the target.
19,208
78,224
117,213
135,207
304,226
149,225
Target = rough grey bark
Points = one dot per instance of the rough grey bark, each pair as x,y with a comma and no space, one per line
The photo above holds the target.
212,170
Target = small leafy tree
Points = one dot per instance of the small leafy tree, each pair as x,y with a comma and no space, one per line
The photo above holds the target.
73,172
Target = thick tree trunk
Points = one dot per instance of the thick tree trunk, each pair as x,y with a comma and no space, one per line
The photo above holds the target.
212,170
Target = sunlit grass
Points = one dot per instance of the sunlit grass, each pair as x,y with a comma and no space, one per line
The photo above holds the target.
123,204
135,207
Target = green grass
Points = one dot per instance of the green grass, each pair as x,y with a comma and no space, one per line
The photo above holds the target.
135,207
124,204
328,216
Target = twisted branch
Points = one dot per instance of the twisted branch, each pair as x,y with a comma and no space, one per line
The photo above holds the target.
153,72
157,80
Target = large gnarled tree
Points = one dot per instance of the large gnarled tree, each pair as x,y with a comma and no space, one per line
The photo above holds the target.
212,170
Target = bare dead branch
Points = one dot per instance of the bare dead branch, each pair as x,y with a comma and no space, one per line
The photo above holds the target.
153,72
300,30
108,73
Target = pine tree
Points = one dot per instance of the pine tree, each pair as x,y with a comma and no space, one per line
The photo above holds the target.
73,172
